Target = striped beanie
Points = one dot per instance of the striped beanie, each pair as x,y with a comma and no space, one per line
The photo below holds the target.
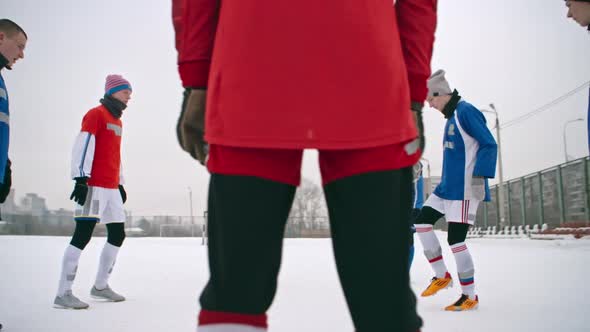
115,83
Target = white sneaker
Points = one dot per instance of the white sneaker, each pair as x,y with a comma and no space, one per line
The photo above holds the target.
69,301
106,294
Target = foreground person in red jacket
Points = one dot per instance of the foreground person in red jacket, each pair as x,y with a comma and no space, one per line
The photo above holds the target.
280,77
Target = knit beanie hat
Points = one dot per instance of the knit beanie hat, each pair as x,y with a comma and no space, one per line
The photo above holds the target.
438,85
115,83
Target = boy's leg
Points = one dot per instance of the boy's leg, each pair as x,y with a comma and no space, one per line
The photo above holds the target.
369,221
457,234
69,266
369,202
431,212
246,222
461,216
425,228
108,257
113,216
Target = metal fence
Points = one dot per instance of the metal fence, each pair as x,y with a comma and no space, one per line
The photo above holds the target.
181,227
153,226
553,196
308,227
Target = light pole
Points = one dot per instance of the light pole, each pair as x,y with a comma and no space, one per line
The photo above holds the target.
500,170
428,165
427,185
564,137
190,200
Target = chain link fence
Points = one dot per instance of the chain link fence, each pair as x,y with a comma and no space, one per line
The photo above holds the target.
555,196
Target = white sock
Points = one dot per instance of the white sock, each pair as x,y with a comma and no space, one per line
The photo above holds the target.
432,249
105,266
69,266
465,268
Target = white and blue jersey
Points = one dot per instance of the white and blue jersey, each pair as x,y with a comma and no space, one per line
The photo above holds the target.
469,150
4,128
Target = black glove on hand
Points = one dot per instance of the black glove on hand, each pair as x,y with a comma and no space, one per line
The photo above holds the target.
123,193
417,112
190,129
80,190
6,183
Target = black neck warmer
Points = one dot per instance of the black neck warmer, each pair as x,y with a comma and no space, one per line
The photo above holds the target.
450,107
3,62
114,105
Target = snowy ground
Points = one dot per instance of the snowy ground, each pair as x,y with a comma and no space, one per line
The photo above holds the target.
524,285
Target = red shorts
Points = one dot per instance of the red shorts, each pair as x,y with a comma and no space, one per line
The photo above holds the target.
284,165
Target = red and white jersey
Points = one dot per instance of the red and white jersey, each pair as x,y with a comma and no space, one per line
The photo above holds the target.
97,150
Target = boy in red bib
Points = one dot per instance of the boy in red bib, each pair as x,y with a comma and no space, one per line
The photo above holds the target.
99,193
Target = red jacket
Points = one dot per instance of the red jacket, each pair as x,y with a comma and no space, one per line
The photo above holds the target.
326,74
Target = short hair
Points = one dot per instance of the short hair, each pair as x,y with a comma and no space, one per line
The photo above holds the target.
11,28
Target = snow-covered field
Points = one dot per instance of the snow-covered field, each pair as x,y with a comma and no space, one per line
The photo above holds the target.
523,285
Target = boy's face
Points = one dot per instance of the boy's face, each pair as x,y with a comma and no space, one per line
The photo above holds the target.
438,102
123,95
12,46
579,11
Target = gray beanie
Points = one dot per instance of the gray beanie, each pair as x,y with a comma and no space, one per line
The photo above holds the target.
438,85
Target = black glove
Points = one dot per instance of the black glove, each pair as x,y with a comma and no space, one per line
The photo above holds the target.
80,190
123,193
6,183
417,112
190,129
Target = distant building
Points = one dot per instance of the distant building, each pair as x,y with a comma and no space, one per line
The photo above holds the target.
9,206
59,217
34,205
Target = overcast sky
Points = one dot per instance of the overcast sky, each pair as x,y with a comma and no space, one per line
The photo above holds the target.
517,54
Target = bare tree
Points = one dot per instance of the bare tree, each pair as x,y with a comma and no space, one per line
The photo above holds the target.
309,206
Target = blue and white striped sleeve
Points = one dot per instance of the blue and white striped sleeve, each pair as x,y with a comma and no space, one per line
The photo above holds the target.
474,123
83,155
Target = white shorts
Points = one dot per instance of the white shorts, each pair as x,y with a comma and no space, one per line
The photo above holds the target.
102,203
462,212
